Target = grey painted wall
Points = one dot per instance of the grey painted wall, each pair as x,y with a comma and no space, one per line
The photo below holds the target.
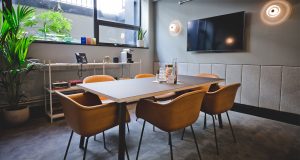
266,45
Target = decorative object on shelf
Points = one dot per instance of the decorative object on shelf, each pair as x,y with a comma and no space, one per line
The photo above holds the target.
275,12
88,40
107,59
54,26
14,67
126,56
83,40
60,85
94,41
116,59
175,28
74,82
141,36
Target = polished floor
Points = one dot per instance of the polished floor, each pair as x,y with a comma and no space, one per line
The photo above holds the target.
258,139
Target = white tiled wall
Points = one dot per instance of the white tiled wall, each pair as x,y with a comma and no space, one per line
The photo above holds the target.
272,87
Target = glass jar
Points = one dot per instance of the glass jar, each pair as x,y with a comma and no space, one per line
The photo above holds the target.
169,70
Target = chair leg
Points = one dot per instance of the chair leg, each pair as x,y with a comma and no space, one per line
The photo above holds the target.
196,142
220,121
231,127
204,126
95,137
85,148
104,141
137,155
216,140
68,145
182,133
170,142
127,127
126,150
153,128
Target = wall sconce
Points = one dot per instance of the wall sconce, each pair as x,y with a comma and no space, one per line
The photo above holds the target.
275,12
175,28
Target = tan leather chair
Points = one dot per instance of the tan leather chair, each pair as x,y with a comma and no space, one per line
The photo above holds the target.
219,102
99,78
208,88
144,75
87,116
182,112
163,97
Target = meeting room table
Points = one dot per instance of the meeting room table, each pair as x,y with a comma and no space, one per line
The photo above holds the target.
131,90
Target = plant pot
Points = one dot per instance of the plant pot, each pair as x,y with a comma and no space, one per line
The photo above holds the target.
16,117
140,43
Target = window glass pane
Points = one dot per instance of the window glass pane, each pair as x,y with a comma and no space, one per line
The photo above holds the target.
117,35
79,13
121,11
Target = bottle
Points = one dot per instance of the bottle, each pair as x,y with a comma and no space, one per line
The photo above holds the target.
175,70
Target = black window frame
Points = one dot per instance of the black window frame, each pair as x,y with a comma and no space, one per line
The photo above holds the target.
97,23
101,22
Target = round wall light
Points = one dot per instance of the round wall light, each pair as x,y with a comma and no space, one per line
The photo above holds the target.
175,28
276,12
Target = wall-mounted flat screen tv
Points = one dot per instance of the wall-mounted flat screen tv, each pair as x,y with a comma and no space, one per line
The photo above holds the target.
223,33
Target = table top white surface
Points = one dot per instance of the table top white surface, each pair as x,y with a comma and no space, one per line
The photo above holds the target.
134,89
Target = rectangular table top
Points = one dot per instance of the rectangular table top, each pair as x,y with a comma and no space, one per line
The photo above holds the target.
134,89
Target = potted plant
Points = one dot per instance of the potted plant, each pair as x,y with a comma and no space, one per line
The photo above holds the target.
55,25
141,36
14,43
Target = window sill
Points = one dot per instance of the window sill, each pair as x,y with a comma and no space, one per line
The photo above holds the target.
100,44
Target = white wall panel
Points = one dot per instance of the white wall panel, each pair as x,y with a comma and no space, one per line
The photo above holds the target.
270,84
290,91
220,70
205,68
234,75
250,85
193,69
182,68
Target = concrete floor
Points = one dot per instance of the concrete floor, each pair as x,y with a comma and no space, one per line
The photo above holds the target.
258,139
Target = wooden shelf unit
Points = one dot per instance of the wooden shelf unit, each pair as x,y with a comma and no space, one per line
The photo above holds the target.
49,92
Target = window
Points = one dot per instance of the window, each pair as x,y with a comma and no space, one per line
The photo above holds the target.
111,22
117,21
79,14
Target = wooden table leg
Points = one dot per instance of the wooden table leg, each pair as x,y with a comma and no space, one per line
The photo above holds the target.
220,121
122,118
81,143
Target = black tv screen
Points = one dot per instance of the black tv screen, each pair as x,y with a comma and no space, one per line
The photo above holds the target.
223,33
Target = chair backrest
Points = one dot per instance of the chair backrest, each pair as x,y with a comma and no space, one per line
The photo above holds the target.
86,115
144,75
221,100
209,88
183,111
98,78
207,75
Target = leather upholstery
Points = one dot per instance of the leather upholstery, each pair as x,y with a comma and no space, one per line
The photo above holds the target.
221,100
208,88
87,116
183,111
144,75
98,78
